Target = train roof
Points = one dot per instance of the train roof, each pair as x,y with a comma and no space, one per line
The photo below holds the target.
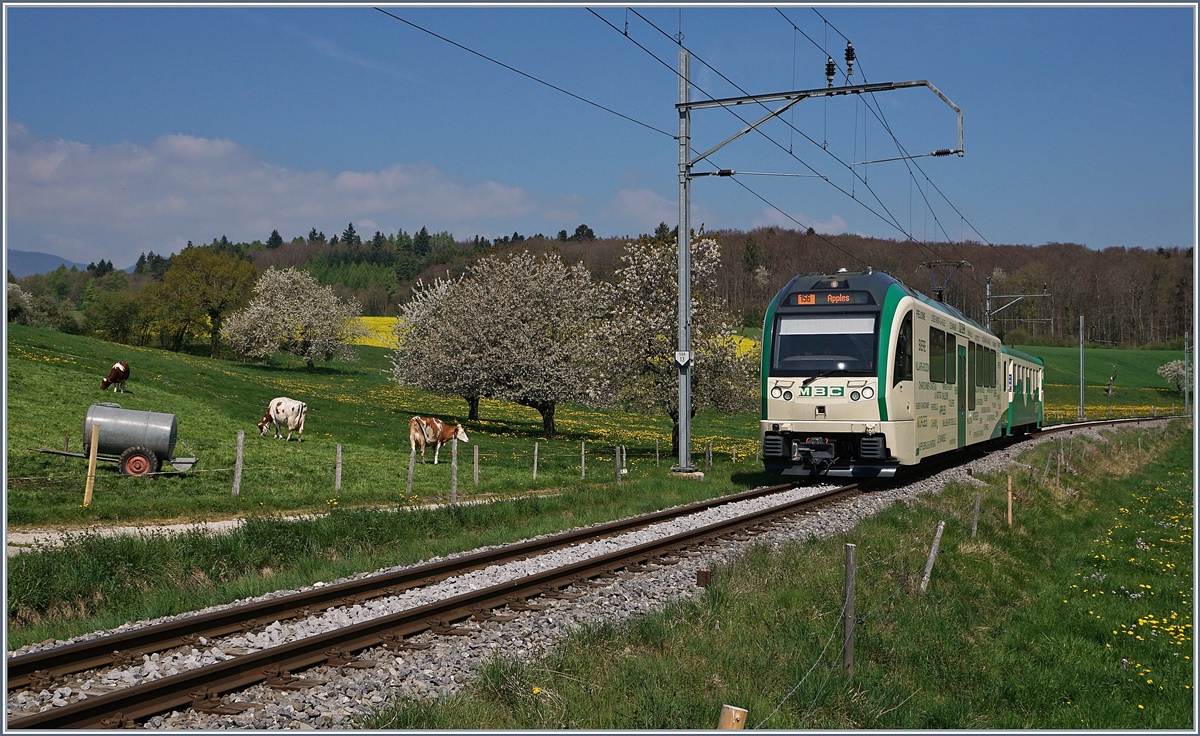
876,282
1022,356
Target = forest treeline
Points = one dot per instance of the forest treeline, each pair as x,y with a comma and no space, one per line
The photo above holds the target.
1127,296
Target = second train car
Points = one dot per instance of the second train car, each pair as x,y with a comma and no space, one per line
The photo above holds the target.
862,375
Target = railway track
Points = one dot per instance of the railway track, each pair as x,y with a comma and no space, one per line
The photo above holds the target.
203,687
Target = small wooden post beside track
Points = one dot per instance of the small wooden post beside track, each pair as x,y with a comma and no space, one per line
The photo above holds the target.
91,475
476,466
937,540
1010,501
535,459
582,459
975,518
337,472
412,459
732,718
656,462
848,618
617,462
237,464
454,471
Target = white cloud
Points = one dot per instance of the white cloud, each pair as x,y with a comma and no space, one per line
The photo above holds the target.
116,201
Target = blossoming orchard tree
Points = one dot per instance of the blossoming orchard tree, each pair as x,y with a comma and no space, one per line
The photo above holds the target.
430,354
293,313
516,328
640,335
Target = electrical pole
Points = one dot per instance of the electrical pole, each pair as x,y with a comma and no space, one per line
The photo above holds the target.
683,355
1080,368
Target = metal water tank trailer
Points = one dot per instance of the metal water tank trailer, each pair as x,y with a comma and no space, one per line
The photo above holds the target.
121,429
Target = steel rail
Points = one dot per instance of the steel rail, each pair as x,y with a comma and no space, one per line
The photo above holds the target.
202,686
39,668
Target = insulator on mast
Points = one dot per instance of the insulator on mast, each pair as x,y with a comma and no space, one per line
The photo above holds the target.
849,59
830,71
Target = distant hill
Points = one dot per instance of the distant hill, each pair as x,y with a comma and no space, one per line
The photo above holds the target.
23,263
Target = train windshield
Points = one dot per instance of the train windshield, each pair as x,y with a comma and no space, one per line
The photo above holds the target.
828,344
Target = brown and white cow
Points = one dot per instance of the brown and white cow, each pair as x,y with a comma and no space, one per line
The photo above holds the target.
284,412
423,431
117,375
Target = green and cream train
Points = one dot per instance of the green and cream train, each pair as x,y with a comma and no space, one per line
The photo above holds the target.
862,375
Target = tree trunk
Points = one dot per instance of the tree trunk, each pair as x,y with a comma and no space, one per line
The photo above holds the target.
215,335
472,408
309,362
546,409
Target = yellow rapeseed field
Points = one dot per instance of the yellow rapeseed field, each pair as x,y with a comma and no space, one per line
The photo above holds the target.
380,331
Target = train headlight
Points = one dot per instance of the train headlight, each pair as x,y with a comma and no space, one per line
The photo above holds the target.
787,395
868,392
776,392
855,396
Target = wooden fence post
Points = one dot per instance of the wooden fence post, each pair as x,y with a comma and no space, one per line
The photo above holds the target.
708,456
937,539
91,476
237,465
656,463
848,617
617,462
476,466
337,472
412,460
1010,501
975,518
582,459
732,718
454,471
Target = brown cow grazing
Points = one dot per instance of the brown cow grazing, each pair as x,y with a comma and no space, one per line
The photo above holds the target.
116,377
424,431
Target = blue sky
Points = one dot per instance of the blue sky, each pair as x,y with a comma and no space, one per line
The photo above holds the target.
131,129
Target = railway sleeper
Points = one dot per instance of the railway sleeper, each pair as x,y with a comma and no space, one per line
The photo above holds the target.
281,679
207,702
341,658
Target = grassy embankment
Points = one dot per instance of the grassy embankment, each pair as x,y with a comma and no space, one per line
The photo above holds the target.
99,582
1079,615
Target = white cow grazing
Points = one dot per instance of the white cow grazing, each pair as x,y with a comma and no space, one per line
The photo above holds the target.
284,412
424,431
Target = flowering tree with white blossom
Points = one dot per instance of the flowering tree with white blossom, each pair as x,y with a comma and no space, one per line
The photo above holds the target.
291,312
640,335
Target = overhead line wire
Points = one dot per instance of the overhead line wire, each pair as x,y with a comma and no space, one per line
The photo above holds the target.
894,222
906,155
526,75
888,128
739,183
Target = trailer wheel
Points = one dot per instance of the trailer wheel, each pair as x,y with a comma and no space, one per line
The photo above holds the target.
138,461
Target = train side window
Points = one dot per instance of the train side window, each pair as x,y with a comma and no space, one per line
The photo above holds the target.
902,370
951,358
937,355
971,382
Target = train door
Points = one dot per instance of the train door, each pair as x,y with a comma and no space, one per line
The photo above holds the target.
962,395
